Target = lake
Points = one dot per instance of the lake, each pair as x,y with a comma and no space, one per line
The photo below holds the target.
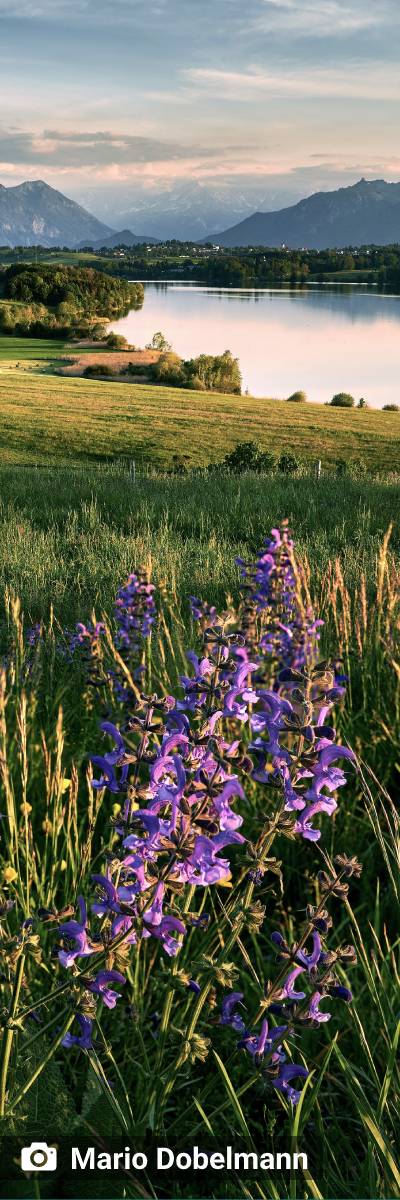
323,339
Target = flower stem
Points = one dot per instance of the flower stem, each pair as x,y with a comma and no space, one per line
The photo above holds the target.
8,1034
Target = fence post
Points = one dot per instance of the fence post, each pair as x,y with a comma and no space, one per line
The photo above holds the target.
318,466
132,469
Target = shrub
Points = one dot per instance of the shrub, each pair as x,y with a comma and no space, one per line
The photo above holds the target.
196,384
98,331
115,341
247,456
288,464
391,408
266,463
218,372
342,400
179,464
133,368
342,467
96,369
169,370
297,398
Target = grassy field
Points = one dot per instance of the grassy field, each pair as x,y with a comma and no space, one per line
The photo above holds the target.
69,257
72,526
68,539
19,349
44,418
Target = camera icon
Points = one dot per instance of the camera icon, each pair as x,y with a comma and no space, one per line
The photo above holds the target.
38,1157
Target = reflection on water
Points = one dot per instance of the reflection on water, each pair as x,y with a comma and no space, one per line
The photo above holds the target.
320,339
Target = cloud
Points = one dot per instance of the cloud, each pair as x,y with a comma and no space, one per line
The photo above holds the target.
322,18
352,81
100,149
84,11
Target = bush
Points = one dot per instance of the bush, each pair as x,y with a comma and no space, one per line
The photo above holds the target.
132,368
196,384
218,372
96,369
179,464
247,456
390,408
288,464
342,400
297,398
211,372
342,468
115,341
169,369
98,331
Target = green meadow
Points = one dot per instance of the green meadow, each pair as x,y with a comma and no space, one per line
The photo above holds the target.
75,519
44,418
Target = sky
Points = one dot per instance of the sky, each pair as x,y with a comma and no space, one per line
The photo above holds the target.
289,96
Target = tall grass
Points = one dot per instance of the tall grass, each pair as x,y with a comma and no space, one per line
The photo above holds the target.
68,555
69,535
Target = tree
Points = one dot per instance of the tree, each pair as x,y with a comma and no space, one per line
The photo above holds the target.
158,342
342,400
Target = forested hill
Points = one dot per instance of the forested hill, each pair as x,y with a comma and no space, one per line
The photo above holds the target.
59,300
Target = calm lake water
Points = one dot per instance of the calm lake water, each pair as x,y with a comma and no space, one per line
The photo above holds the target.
321,339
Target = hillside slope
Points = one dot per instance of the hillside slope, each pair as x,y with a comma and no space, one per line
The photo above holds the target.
48,419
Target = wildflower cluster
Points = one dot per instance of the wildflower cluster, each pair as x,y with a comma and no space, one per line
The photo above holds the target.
172,769
178,768
286,999
271,587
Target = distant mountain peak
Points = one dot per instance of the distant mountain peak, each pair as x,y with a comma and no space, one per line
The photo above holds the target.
366,212
33,213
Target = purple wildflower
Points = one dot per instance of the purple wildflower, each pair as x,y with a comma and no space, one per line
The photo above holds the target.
229,1016
314,1010
99,986
75,931
84,1039
282,1082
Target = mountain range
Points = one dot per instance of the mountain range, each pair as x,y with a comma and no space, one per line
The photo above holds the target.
186,210
33,213
368,212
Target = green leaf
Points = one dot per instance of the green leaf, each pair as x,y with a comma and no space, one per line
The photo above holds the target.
48,1104
230,1090
388,1074
203,1115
